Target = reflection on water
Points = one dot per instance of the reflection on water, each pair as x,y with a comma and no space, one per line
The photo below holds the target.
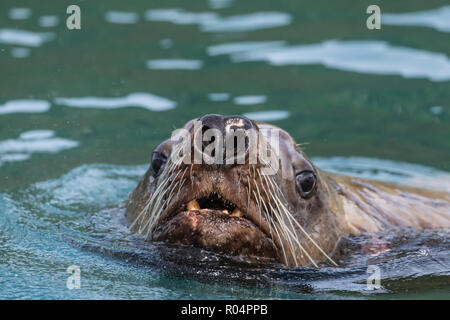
29,142
212,22
248,100
121,17
25,38
19,13
237,47
180,16
375,57
169,64
143,100
438,19
248,22
48,21
24,106
219,96
268,116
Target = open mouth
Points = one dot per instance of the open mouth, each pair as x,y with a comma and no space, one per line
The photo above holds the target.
216,224
216,205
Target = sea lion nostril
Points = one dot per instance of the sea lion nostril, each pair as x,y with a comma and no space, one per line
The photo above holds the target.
237,136
212,121
226,124
237,122
233,134
211,140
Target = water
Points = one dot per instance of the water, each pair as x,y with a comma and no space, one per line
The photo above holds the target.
80,112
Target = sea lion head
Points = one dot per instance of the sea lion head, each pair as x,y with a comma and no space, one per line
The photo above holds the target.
238,187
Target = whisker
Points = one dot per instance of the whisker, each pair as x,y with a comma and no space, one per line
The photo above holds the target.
287,214
290,236
156,211
306,234
266,216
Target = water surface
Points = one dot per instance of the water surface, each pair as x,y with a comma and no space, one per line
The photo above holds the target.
81,110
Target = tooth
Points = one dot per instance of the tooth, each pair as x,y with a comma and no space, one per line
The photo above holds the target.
237,213
193,205
225,211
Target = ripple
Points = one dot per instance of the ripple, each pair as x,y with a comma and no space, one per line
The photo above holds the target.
374,57
37,134
56,223
96,185
14,157
24,37
248,100
219,96
272,115
36,144
120,17
29,142
179,16
144,100
168,64
238,47
212,22
24,106
438,19
48,21
248,22
19,13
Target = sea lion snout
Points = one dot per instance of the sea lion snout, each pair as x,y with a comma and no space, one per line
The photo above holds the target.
234,133
226,123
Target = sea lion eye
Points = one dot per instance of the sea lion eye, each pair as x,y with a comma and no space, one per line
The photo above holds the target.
158,160
306,183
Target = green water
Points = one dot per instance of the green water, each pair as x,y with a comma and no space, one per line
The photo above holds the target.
336,110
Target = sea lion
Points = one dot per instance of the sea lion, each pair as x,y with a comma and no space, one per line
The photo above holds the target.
294,215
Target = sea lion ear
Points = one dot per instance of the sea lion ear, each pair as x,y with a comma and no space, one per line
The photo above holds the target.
306,182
